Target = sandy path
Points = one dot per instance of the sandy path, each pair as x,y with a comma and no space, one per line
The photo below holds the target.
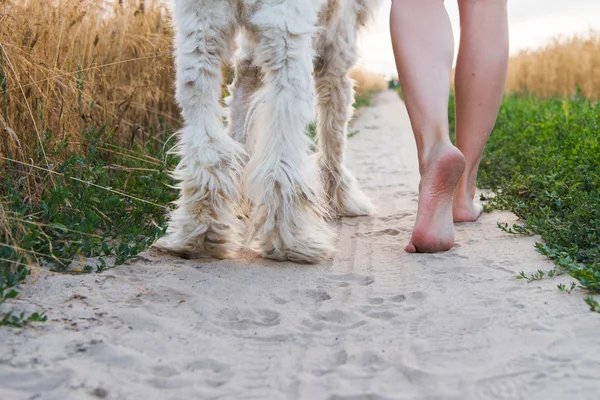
375,323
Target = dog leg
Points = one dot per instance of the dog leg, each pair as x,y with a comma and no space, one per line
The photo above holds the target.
206,219
248,80
282,176
337,54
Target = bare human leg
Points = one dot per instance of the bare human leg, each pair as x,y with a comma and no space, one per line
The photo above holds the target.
424,50
479,84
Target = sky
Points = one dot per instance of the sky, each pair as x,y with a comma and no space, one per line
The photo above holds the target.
532,24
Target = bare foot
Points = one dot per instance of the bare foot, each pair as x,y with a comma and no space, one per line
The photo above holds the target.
434,229
465,209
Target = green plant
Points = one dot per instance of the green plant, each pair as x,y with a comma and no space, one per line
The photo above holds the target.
594,305
364,99
108,204
9,282
538,275
543,163
563,288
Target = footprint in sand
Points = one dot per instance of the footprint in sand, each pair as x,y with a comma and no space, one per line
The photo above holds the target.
371,361
46,380
344,280
334,320
507,386
376,301
399,298
384,232
163,371
370,396
377,308
241,319
382,315
395,217
318,296
214,373
328,361
417,297
278,299
439,345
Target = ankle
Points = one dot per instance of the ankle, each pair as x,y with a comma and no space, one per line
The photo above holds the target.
431,154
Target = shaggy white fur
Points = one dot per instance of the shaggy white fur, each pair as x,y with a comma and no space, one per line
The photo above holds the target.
287,48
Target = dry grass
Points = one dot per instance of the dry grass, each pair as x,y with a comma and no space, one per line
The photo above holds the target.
368,82
67,65
559,68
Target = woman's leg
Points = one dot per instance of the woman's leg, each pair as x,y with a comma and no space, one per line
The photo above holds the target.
424,50
479,84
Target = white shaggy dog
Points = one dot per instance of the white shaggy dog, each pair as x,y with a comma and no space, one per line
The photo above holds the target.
289,50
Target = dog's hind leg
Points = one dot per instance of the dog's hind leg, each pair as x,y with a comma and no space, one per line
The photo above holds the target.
206,219
248,80
282,176
336,55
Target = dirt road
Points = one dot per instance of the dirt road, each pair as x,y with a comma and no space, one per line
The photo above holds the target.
374,323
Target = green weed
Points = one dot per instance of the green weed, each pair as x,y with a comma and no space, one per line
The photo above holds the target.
364,100
109,203
101,205
563,288
9,282
594,305
539,275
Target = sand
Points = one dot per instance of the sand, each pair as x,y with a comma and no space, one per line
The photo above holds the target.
373,323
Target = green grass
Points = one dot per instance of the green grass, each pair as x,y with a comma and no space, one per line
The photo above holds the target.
94,211
543,163
108,205
9,282
364,100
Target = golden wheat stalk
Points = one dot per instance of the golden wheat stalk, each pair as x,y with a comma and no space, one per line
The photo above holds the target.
559,68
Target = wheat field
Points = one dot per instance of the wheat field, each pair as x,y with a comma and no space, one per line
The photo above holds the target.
66,66
559,68
367,81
